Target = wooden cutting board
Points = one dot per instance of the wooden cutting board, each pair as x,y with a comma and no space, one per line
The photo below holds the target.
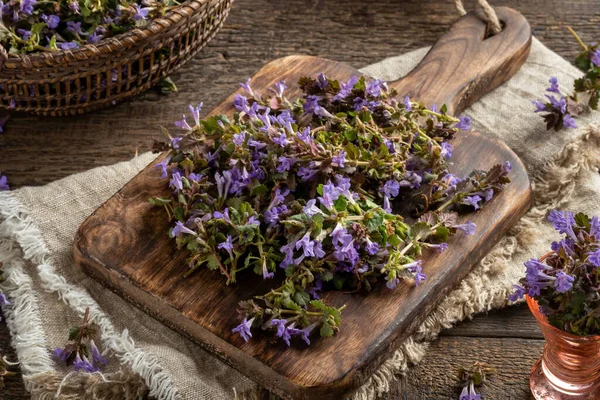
124,244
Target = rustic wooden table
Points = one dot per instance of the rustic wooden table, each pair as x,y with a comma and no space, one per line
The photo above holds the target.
35,151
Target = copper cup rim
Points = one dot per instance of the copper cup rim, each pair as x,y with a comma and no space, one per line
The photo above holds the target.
542,320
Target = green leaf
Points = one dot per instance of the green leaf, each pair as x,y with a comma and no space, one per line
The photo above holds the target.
302,298
326,276
351,136
394,240
159,201
326,330
320,189
74,332
179,214
442,233
211,124
582,220
420,230
338,281
373,220
212,263
340,204
259,190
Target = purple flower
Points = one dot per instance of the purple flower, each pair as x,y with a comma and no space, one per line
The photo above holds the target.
306,173
303,333
566,244
569,121
256,144
247,88
407,104
175,142
222,215
181,228
594,258
360,103
282,330
94,38
140,13
322,112
559,104
392,283
464,123
415,268
68,45
553,85
24,34
390,190
74,6
390,146
539,106
74,27
97,358
322,81
3,183
518,293
340,236
472,201
266,273
346,88
563,222
506,167
441,247
307,245
563,282
83,365
183,124
372,247
227,245
279,88
339,158
253,221
468,228
26,6
51,20
62,354
595,227
304,135
195,177
244,329
280,140
3,300
375,87
446,150
330,195
272,214
596,58
468,393
239,138
311,208
311,103
285,163
196,112
176,182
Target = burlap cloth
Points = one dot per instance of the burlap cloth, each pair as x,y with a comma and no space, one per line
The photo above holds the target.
49,293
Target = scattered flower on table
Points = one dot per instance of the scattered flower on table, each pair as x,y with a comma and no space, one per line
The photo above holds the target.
304,193
3,182
475,375
81,351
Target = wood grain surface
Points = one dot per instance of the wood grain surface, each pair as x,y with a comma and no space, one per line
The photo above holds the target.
124,245
35,151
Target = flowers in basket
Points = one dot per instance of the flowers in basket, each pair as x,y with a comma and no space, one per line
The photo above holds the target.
30,26
308,192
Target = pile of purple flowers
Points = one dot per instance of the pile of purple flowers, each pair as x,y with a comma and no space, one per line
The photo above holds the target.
557,108
81,352
308,192
566,283
35,26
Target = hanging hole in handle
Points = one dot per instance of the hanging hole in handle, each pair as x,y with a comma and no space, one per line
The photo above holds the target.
489,32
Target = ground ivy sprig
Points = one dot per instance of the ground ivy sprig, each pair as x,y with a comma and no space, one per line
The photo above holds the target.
559,109
309,192
81,351
470,377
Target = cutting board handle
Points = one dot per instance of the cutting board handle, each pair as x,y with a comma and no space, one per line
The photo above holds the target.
464,64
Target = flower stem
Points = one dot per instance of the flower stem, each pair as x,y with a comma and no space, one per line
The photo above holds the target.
576,36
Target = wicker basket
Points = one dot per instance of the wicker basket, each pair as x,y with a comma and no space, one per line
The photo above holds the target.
96,76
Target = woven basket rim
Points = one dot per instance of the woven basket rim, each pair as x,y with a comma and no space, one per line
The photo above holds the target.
123,40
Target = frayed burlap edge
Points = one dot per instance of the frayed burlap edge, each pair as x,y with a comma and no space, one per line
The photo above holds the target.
553,186
123,385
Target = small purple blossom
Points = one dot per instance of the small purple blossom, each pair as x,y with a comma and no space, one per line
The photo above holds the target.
51,21
559,104
183,124
569,121
196,112
596,58
306,173
594,258
83,364
97,358
68,45
539,106
280,140
322,81
303,333
247,88
468,393
464,123
62,354
239,138
330,195
26,6
446,150
74,6
283,331
176,182
3,300
468,227
279,88
563,222
371,247
74,27
4,183
472,201
375,87
181,228
244,329
553,85
227,245
25,34
141,13
563,282
305,135
175,142
518,293
311,208
339,159
407,104
285,163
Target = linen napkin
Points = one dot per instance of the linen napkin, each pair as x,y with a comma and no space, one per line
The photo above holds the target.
49,293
